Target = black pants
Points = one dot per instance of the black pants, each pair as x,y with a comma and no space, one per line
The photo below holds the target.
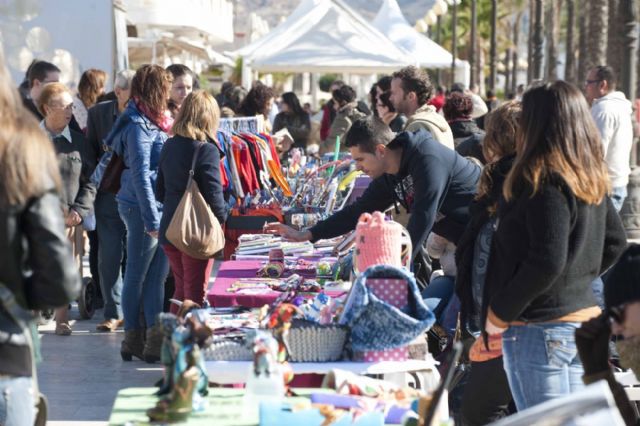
487,396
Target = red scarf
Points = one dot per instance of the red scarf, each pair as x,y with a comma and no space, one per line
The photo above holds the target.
162,120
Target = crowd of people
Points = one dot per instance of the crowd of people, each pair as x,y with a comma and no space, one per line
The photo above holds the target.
517,201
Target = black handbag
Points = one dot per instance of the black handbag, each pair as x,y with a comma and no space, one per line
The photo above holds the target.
111,178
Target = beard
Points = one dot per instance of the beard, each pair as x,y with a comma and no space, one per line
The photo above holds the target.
629,351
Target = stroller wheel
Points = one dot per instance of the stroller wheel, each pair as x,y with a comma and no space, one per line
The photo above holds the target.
86,300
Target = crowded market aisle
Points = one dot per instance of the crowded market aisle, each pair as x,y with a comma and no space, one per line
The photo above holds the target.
82,373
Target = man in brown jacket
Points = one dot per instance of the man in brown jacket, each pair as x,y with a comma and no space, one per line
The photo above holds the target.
411,89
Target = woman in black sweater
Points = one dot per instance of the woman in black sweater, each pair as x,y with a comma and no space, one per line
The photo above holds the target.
197,122
556,232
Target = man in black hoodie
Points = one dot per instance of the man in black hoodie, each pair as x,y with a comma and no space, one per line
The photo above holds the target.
433,182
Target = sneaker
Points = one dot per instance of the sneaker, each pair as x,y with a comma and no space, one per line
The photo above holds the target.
63,329
109,325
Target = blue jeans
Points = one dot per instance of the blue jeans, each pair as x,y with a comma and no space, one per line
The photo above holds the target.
437,295
618,195
17,406
146,269
541,361
111,240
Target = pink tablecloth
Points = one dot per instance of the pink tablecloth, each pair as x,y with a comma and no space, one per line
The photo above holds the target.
229,272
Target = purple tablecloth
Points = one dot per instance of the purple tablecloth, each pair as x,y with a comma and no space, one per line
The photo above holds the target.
232,270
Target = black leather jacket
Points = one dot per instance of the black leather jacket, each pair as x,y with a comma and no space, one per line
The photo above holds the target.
36,264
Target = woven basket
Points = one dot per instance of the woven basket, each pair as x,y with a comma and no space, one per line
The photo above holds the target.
311,342
228,350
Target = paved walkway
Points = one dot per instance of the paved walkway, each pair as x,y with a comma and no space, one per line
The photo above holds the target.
82,373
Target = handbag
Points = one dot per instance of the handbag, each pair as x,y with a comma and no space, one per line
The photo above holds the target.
194,230
110,181
378,325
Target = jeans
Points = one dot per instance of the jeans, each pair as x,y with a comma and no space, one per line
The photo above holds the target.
17,402
111,241
541,362
191,276
618,195
437,295
145,272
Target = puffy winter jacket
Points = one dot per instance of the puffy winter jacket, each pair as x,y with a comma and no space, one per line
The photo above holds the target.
138,141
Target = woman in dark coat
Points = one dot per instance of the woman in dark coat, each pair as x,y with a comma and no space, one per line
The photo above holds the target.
293,118
195,128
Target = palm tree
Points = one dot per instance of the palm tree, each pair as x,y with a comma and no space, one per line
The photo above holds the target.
629,38
570,67
614,37
473,44
538,40
553,26
597,35
494,42
516,42
583,47
532,13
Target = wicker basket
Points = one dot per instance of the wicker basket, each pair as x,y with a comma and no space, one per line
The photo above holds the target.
228,350
311,342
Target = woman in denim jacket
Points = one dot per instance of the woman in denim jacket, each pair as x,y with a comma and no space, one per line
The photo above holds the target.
138,136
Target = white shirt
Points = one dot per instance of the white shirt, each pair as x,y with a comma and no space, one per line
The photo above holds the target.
66,132
613,116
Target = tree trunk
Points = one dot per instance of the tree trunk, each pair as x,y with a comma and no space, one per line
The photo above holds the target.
614,37
516,42
473,57
628,76
570,67
454,41
538,40
597,35
532,12
493,53
507,71
552,27
583,48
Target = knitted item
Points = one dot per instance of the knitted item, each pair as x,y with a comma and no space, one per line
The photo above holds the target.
378,242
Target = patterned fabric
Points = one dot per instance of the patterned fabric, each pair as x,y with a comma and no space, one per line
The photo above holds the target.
376,324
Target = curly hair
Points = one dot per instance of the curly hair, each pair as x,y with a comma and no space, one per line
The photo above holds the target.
501,127
150,87
458,105
256,101
415,80
91,86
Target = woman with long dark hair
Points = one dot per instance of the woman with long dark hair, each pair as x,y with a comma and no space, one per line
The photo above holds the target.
556,231
294,119
138,136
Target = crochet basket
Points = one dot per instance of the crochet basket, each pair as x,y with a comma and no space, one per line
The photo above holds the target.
228,350
311,342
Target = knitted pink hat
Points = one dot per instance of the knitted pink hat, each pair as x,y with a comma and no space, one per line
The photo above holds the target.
378,242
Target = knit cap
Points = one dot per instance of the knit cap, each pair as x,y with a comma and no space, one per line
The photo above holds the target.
623,281
378,241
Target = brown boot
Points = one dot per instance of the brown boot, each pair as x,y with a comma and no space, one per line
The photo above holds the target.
132,345
153,344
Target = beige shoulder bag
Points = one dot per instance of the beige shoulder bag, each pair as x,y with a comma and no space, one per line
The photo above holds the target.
194,229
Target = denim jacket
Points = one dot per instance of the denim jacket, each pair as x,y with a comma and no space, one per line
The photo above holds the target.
138,141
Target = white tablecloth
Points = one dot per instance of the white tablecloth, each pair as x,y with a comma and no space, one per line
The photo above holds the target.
228,372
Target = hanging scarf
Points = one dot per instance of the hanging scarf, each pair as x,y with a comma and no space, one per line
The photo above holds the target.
163,120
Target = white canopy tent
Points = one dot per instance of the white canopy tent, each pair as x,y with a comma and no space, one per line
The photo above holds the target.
324,36
391,22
